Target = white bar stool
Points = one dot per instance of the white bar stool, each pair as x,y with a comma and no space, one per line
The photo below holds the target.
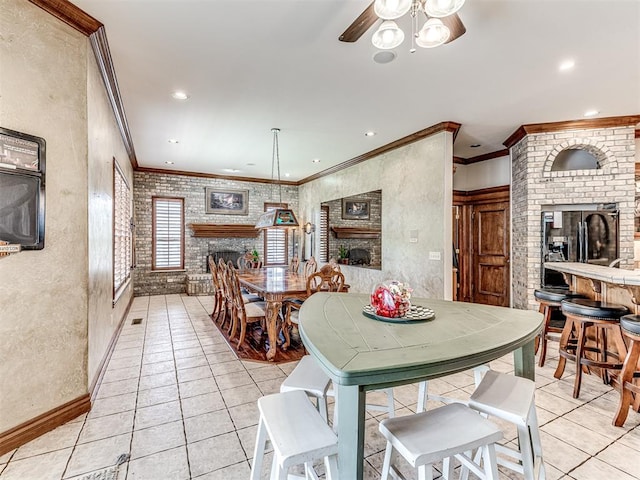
453,430
310,377
512,399
424,396
298,434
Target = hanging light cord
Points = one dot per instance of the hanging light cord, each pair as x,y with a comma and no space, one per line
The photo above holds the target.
275,158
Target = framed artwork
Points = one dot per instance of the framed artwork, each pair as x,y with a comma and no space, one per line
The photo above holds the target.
355,209
226,201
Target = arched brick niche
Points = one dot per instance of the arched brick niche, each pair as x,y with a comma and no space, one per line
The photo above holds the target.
603,158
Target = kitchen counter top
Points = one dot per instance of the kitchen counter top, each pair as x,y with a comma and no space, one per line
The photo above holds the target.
611,275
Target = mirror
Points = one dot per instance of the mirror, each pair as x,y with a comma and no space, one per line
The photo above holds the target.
351,230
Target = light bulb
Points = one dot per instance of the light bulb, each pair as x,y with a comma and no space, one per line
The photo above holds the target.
442,8
433,34
388,36
391,9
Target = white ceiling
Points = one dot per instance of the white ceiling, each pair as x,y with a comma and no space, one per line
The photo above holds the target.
249,66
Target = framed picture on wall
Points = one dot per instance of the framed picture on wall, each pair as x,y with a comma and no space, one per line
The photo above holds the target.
355,209
226,201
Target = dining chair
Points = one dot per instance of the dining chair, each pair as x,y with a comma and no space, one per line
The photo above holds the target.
310,267
244,313
325,280
294,265
218,293
334,264
226,302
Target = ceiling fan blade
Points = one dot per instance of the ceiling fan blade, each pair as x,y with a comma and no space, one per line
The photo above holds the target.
455,26
359,25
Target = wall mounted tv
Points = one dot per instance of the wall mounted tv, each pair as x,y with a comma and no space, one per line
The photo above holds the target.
22,182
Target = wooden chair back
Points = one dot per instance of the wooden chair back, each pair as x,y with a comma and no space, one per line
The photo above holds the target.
246,261
326,280
294,265
310,267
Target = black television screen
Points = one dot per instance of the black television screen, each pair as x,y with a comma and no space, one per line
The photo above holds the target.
22,210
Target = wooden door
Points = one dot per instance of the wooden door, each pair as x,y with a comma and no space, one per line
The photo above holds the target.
490,254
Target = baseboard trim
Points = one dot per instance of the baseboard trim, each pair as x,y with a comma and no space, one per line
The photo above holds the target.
97,380
44,423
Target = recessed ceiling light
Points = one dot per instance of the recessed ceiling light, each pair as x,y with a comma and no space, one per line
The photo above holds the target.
384,56
316,160
567,65
591,113
230,170
169,163
475,145
287,174
173,140
369,134
180,95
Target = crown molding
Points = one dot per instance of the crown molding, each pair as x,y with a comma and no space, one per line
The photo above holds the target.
481,158
163,171
591,123
70,14
452,127
102,53
84,23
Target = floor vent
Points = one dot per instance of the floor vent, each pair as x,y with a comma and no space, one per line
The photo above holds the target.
136,321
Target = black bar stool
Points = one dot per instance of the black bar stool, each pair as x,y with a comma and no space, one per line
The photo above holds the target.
630,325
549,299
602,318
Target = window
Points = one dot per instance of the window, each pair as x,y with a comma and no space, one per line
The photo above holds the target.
122,232
275,241
168,233
323,231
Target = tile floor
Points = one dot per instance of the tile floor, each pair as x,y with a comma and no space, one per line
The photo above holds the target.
177,399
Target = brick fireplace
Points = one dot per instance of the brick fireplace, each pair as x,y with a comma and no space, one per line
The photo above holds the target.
535,185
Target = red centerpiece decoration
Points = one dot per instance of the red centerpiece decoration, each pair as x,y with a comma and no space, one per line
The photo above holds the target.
391,299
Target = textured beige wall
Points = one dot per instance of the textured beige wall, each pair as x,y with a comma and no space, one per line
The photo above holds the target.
43,294
416,184
105,144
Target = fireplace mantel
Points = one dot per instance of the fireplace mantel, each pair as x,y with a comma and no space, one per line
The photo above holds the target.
210,230
355,232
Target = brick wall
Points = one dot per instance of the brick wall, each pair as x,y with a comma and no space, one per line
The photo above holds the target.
192,189
534,185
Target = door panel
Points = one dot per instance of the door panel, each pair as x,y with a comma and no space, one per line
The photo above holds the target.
491,254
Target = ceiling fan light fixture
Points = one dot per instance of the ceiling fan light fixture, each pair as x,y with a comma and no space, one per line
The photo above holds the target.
433,34
387,36
391,9
442,8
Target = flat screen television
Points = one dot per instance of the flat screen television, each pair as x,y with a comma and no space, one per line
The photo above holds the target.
22,206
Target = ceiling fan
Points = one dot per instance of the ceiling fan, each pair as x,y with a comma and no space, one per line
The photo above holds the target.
438,13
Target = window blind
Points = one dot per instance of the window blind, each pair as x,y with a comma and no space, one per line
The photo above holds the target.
122,234
275,241
168,233
324,234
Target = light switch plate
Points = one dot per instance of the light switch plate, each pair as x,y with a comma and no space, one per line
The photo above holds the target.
434,255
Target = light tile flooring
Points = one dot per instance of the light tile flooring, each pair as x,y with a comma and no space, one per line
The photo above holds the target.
177,399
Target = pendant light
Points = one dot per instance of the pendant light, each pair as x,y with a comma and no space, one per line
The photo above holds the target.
277,217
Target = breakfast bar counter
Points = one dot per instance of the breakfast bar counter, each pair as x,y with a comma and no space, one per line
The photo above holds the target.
613,285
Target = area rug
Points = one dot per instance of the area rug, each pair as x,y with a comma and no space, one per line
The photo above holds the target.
256,344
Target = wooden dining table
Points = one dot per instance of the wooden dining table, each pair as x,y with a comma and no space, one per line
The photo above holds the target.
361,353
274,284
